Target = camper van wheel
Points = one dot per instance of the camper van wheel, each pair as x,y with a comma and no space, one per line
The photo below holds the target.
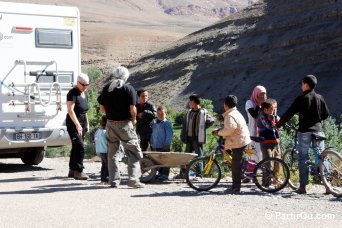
33,156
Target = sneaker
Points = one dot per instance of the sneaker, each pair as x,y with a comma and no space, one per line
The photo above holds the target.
80,176
179,176
135,184
71,173
301,190
246,180
271,187
163,178
113,185
232,191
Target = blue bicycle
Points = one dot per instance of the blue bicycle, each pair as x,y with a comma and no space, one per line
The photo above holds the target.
326,166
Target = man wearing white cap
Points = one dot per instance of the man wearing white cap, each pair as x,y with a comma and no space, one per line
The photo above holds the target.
117,101
77,125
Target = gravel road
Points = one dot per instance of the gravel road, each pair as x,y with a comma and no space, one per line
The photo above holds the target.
42,196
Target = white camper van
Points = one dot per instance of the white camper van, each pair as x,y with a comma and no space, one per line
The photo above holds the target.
39,62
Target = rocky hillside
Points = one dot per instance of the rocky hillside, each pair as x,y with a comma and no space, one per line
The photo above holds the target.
273,43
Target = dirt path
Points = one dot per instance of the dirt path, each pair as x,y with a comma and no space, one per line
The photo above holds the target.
44,197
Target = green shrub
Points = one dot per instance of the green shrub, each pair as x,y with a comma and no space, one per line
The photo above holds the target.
176,144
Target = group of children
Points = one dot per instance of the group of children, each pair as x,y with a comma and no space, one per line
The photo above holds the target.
161,138
162,134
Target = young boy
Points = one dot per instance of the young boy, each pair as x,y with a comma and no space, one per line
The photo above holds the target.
101,149
237,136
266,127
162,133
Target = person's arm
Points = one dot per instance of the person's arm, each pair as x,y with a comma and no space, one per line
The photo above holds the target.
324,109
133,111
209,120
88,127
265,122
293,109
102,109
229,127
71,112
168,136
150,113
254,111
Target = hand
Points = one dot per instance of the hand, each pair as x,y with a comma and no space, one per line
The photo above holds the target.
134,122
140,115
79,130
214,132
166,148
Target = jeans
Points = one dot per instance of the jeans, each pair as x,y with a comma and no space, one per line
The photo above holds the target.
77,143
304,142
123,132
104,167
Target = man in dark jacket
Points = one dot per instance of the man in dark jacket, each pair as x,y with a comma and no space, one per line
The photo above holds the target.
312,109
146,114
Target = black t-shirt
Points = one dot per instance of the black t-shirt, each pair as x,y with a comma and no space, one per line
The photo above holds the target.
117,103
81,103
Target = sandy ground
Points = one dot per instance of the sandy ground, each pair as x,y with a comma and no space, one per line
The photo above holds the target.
43,196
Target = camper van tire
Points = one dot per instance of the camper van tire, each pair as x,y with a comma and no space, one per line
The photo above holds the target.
33,156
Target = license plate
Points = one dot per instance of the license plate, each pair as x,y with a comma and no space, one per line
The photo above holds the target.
27,136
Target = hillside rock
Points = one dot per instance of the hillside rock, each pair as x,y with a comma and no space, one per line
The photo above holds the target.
273,43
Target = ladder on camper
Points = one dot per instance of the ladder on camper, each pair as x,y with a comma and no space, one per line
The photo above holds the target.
39,93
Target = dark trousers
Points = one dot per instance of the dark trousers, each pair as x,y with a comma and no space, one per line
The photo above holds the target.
165,171
144,144
237,165
192,145
104,168
77,143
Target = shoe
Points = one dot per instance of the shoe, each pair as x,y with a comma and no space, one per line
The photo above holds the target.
113,185
80,176
271,187
71,173
232,191
246,180
163,178
301,190
179,176
135,184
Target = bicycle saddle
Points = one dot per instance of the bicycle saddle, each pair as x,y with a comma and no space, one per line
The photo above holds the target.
315,136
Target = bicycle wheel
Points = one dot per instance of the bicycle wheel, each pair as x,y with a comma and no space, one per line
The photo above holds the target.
271,174
292,162
330,167
203,174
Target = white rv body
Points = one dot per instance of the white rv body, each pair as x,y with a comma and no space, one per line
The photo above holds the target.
39,63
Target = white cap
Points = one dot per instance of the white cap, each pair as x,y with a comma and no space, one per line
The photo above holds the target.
83,78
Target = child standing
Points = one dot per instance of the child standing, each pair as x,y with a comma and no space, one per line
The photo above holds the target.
162,133
266,127
101,149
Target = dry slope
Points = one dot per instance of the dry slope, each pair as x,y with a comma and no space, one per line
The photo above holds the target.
273,43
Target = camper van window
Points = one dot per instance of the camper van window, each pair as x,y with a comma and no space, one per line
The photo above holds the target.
53,38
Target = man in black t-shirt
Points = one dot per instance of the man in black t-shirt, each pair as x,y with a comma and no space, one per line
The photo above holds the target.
117,101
